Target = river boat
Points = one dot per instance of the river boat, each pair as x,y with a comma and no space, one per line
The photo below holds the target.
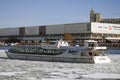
61,51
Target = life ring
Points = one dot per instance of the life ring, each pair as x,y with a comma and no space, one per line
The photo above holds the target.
90,53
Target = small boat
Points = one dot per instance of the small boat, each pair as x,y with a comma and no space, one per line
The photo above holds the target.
61,51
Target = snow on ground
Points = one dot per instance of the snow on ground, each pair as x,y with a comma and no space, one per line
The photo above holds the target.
102,76
9,73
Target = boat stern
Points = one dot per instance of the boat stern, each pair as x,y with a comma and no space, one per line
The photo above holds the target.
101,59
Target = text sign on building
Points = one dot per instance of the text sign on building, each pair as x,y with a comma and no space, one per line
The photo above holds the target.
105,28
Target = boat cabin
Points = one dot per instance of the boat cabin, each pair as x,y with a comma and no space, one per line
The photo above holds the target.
90,43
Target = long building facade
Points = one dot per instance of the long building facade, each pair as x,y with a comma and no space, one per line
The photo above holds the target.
102,32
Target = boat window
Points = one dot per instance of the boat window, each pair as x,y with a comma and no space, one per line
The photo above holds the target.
92,44
51,43
83,54
72,51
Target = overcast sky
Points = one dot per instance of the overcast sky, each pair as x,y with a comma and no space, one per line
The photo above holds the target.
19,13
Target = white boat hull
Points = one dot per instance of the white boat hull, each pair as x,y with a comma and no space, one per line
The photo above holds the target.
81,59
101,59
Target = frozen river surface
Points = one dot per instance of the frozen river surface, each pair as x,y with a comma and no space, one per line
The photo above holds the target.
39,70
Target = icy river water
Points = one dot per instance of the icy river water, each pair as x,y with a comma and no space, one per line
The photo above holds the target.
41,70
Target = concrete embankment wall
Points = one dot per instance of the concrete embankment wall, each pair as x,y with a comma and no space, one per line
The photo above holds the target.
3,54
